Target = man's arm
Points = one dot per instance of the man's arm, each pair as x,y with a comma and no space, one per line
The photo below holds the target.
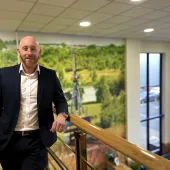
1,103
61,106
59,98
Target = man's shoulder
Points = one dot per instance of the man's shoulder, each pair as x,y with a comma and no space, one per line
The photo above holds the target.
9,68
44,69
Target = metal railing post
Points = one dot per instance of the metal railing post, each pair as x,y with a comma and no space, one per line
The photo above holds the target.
80,148
77,149
83,151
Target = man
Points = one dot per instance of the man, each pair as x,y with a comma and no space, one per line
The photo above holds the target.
27,125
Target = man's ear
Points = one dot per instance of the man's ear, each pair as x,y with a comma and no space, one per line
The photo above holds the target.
18,52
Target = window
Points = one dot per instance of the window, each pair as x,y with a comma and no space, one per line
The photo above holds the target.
150,101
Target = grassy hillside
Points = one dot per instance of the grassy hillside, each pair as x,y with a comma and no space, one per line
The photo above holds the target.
85,76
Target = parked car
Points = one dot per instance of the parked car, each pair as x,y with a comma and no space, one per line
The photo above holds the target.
152,96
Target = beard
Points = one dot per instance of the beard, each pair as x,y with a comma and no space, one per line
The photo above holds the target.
29,62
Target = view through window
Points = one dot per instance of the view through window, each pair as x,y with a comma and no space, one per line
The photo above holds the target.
150,101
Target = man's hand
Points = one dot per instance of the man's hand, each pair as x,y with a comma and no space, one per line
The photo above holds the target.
58,124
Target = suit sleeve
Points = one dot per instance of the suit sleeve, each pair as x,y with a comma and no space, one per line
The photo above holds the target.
59,99
1,102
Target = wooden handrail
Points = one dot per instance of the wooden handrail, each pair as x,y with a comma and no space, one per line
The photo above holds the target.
144,157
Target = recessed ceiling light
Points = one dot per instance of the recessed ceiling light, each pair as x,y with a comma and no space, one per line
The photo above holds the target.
149,30
85,24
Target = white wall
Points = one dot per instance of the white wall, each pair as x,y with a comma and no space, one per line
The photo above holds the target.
133,91
133,48
72,39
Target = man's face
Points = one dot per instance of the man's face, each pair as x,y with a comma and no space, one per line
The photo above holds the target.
29,52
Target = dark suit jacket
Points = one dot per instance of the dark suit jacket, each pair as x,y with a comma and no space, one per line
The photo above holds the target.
49,90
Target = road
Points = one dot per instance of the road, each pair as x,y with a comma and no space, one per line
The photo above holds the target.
153,124
153,111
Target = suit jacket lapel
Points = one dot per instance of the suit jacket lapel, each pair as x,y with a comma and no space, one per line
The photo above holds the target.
40,86
17,80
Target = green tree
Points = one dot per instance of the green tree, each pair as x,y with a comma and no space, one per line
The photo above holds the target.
116,86
61,74
2,44
63,44
102,90
68,95
8,58
94,76
113,111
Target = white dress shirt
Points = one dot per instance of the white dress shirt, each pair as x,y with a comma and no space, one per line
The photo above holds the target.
28,115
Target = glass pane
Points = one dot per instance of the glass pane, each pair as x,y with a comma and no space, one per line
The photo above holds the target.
154,130
64,154
154,82
154,69
102,157
143,135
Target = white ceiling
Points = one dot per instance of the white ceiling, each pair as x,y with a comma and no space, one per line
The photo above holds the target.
109,18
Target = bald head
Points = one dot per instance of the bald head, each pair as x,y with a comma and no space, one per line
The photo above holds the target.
30,39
